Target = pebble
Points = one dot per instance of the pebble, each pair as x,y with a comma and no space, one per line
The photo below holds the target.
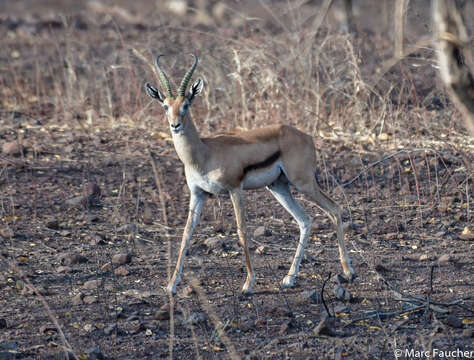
444,258
106,267
73,258
310,296
92,284
11,148
261,231
77,299
96,240
323,328
63,269
109,329
121,259
261,250
52,223
122,271
423,257
214,242
89,299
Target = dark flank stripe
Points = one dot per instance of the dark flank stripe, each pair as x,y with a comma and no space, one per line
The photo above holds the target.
267,162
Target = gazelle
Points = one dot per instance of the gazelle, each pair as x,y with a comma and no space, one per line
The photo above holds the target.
275,157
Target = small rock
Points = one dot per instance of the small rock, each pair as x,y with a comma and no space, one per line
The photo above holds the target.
423,257
92,284
77,299
3,323
20,285
323,328
261,231
52,223
89,327
214,242
6,232
96,239
11,148
63,269
109,329
311,296
127,229
121,271
162,315
73,258
445,258
467,333
261,250
187,291
341,293
106,267
148,217
121,259
89,299
466,234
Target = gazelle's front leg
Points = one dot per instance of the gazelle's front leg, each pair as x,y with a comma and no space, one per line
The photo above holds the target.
195,208
236,196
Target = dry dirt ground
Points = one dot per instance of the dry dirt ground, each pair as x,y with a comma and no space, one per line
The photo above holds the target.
93,198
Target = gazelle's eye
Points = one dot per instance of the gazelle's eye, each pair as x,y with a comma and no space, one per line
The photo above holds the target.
184,108
165,106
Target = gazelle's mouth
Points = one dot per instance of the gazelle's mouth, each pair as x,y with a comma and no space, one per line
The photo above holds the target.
176,128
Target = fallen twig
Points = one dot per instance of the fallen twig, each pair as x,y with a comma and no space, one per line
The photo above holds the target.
403,151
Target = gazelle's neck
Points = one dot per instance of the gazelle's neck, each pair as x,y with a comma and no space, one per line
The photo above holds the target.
189,147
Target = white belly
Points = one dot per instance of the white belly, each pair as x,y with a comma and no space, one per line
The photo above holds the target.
254,179
194,178
262,177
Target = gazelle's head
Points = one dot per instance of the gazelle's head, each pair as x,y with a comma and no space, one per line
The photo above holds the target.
176,107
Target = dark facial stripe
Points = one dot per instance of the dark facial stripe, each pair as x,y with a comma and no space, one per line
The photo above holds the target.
267,162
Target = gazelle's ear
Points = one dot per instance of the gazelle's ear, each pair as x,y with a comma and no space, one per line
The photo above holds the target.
195,89
154,93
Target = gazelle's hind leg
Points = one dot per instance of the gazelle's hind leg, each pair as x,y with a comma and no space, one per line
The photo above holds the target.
315,194
282,193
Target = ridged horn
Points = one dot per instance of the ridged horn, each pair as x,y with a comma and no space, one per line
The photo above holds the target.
187,77
164,79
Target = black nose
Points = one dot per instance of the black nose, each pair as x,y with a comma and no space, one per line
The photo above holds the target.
176,127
